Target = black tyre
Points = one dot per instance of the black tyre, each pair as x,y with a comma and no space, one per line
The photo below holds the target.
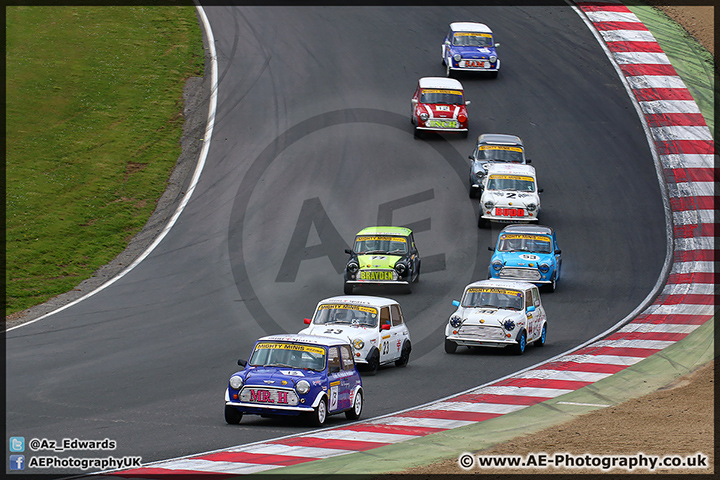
348,288
404,355
356,410
519,347
540,342
471,192
482,223
494,74
551,286
373,362
232,415
450,346
319,414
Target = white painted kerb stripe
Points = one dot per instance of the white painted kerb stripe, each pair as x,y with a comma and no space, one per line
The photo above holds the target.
669,106
658,328
627,36
475,407
569,375
602,359
360,436
656,81
597,17
681,133
641,58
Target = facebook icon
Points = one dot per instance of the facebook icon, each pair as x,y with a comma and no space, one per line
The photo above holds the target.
17,462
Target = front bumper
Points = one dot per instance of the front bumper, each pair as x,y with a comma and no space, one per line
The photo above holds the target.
378,282
502,219
255,409
448,130
460,66
475,342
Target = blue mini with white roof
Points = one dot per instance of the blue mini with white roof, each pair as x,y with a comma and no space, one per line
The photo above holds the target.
470,46
296,375
529,253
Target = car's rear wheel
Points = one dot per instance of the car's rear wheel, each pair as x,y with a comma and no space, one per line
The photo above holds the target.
354,413
404,355
348,288
319,414
540,342
450,346
519,347
232,415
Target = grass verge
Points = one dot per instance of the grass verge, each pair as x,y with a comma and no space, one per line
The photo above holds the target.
93,123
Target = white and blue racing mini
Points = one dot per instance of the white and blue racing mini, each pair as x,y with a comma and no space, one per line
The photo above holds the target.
469,46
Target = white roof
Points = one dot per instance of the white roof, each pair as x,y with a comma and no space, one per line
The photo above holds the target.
511,169
363,300
301,338
517,285
469,27
440,82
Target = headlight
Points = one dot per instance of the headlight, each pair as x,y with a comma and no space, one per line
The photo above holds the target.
424,116
353,267
457,57
497,265
400,268
236,382
493,59
544,268
531,207
358,344
479,175
302,387
455,321
489,204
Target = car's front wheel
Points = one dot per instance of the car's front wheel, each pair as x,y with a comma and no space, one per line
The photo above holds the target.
404,355
551,286
319,414
354,413
373,362
482,223
450,346
232,415
519,347
540,342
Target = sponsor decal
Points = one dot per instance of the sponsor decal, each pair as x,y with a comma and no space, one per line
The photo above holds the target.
289,346
291,373
346,306
499,147
524,236
442,108
441,123
451,92
473,34
503,291
385,238
511,177
509,212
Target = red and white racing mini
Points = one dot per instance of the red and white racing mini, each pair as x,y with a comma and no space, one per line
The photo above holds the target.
439,105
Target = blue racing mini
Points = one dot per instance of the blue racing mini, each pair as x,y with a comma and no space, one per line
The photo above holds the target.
527,252
469,46
296,375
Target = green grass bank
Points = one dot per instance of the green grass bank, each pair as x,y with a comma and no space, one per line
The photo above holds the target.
93,124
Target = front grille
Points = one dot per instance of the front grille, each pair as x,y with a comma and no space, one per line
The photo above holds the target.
515,273
482,332
268,396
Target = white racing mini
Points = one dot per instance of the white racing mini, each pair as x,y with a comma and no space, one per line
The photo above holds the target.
497,313
509,195
374,326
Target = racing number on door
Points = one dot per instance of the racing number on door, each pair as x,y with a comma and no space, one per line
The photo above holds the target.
386,347
333,398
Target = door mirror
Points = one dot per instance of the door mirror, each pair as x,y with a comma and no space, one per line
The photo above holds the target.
491,249
242,362
307,321
455,303
414,101
528,161
467,102
334,369
530,309
540,190
385,326
497,44
558,251
348,251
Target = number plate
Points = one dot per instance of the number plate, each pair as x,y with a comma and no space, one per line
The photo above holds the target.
439,123
476,64
376,275
509,212
270,396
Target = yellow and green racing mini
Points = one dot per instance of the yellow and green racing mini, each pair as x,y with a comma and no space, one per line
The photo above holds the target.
382,256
